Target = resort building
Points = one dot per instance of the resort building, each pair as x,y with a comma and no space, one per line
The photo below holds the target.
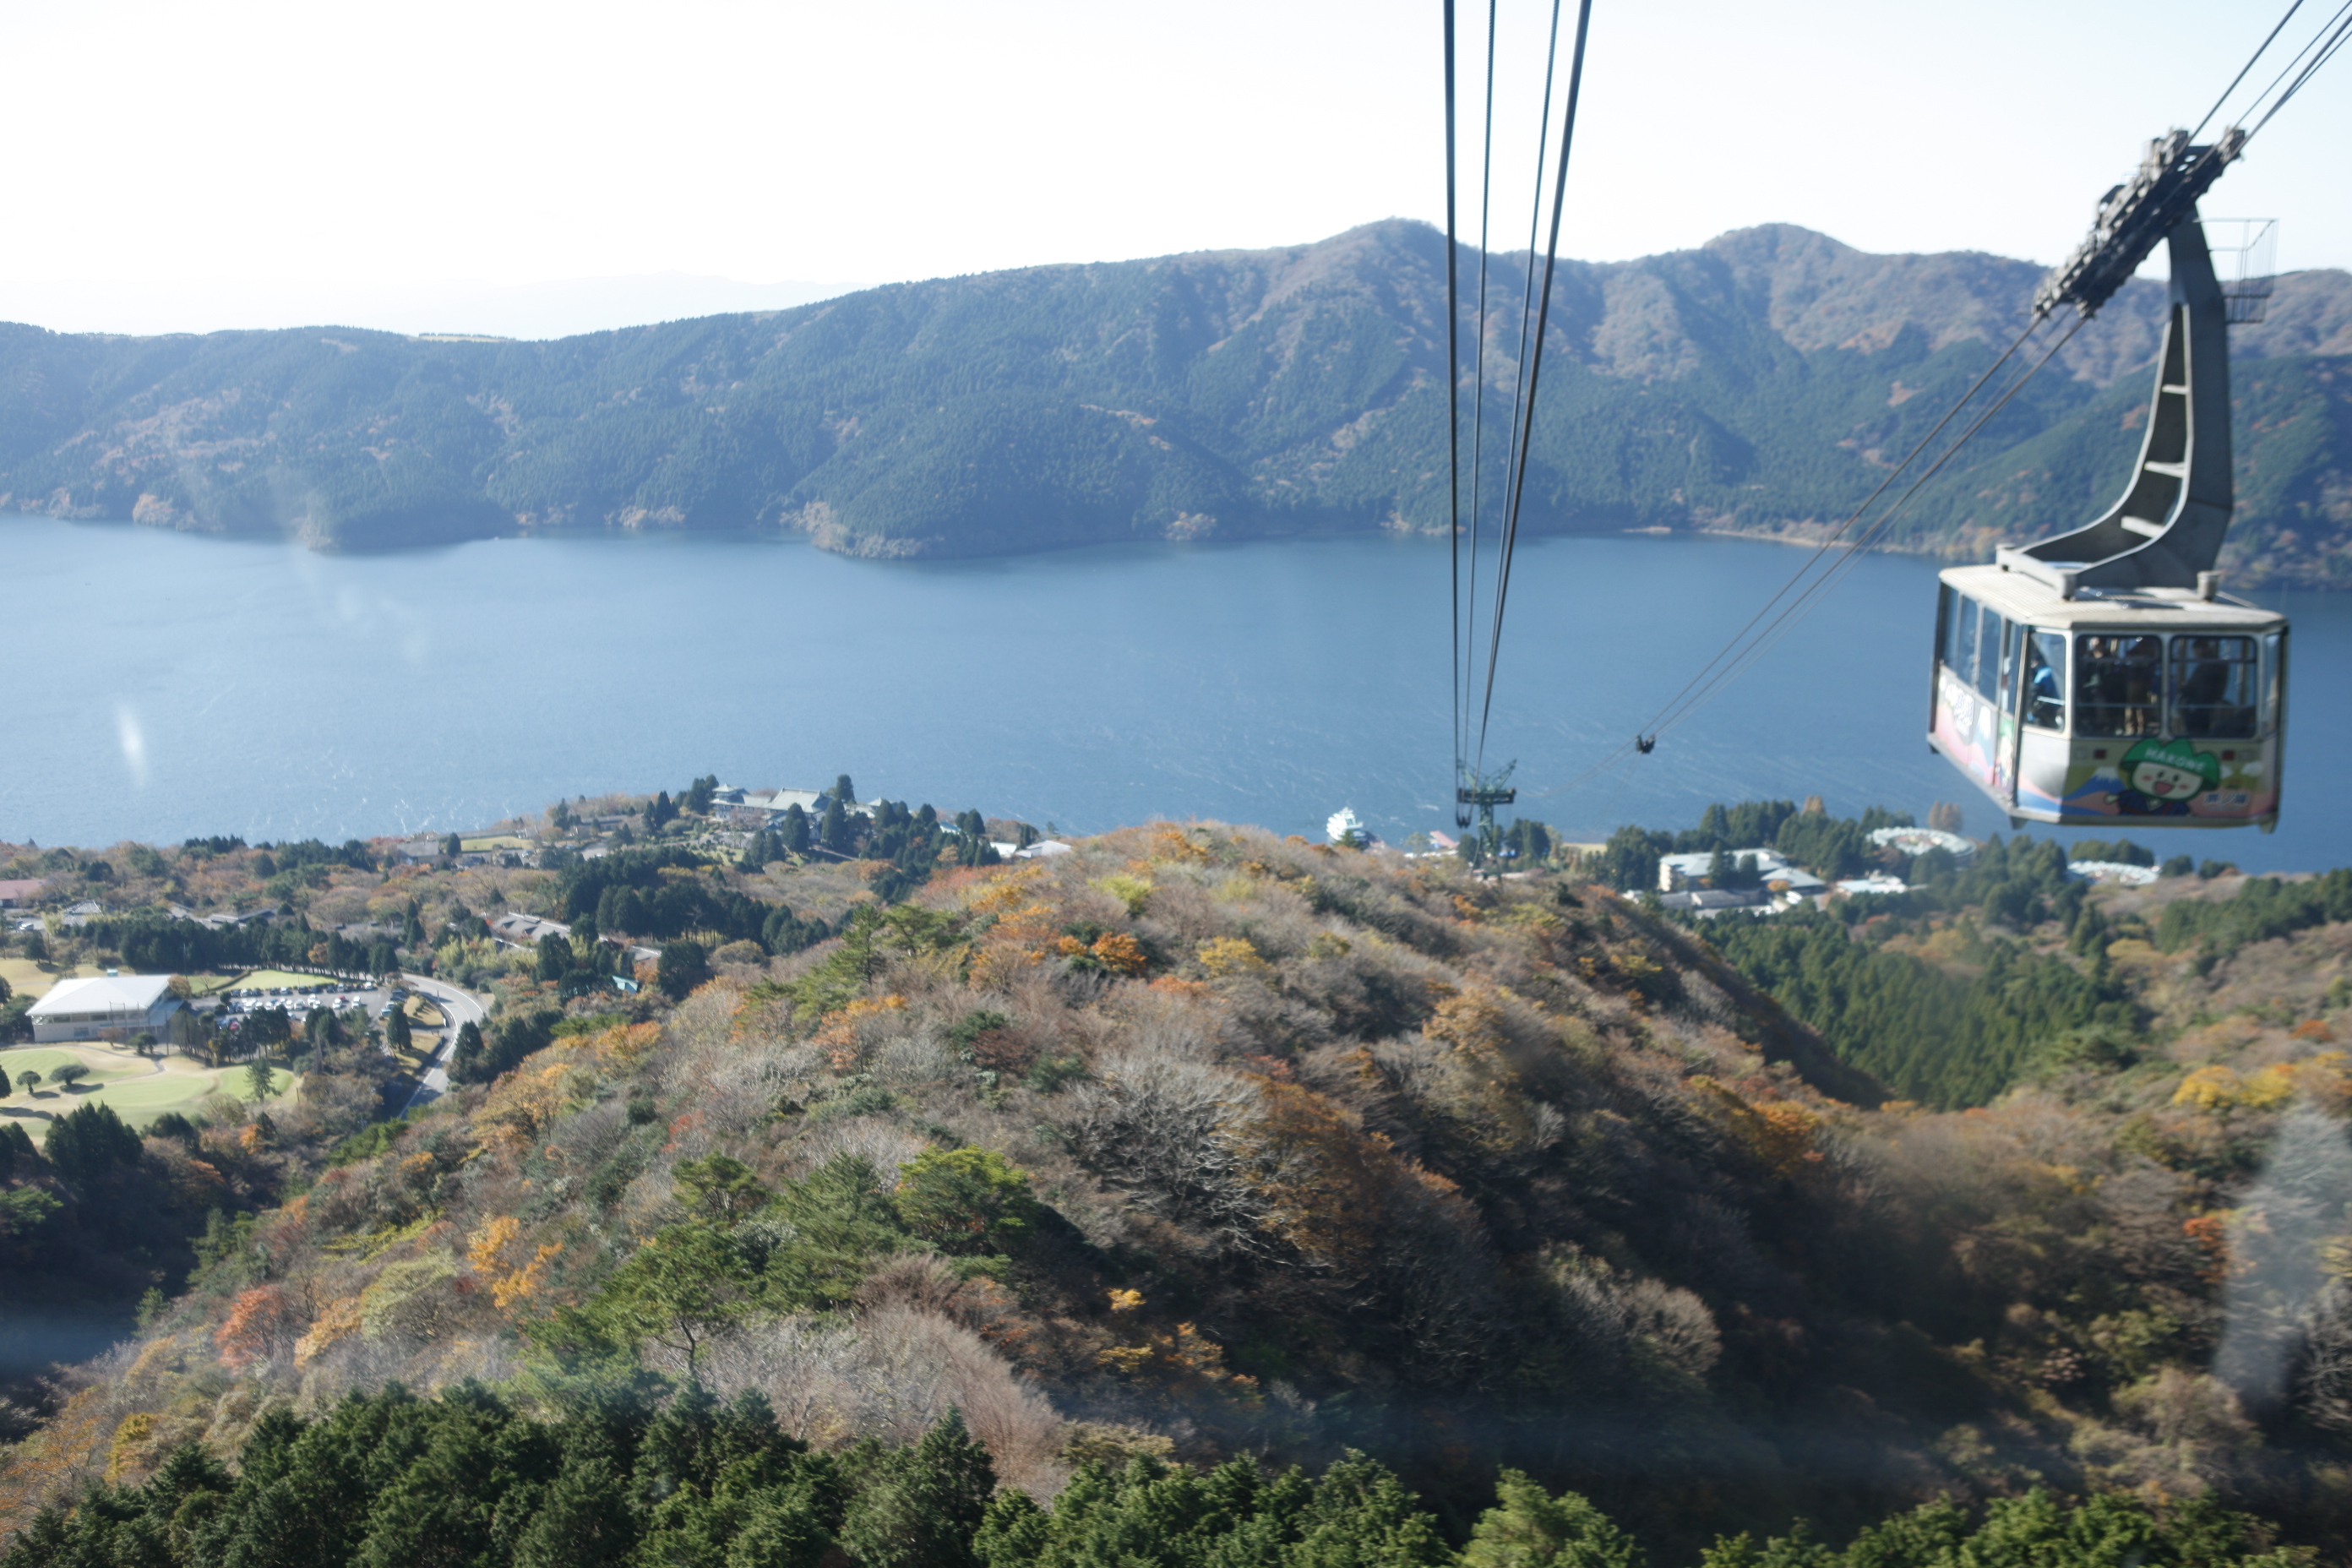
103,1007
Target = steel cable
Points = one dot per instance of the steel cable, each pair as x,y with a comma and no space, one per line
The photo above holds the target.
1802,606
2234,80
1743,650
1467,657
1534,366
1453,402
1478,385
2342,24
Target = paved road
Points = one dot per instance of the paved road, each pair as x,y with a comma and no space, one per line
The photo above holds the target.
461,1007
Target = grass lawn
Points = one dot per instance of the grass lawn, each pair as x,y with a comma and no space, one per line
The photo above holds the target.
137,1096
205,984
233,1083
278,979
26,978
47,1059
491,845
424,1014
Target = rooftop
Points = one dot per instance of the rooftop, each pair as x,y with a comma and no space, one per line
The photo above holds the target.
101,994
2023,598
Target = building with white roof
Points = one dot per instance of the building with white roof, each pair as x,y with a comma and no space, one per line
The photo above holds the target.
2114,873
1919,840
101,1006
1682,873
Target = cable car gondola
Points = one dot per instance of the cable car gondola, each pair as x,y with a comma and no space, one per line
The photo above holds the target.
2101,677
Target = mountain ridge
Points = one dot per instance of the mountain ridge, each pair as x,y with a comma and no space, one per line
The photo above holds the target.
1751,385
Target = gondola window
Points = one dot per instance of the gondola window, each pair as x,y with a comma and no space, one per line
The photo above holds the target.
2118,686
2214,686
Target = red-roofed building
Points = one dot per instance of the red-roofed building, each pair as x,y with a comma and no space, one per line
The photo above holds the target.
20,892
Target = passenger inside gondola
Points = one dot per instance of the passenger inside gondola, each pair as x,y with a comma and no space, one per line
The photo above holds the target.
2214,686
2118,686
2045,693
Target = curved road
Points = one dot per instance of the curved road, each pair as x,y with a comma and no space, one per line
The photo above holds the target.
460,1007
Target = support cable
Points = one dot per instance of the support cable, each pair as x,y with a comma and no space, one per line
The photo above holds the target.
1535,369
1477,396
1743,650
1805,603
2234,80
2342,25
1739,637
1750,643
1535,229
1453,402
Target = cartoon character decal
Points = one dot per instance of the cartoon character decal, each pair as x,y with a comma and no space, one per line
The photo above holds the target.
2171,778
2161,777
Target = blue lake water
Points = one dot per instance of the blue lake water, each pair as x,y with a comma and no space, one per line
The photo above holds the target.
165,685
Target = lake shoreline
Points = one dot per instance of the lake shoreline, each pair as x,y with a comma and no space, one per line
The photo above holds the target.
1795,536
280,693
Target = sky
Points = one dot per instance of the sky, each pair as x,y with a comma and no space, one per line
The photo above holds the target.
257,162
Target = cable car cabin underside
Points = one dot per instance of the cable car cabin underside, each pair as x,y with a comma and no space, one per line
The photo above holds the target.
2149,707
2100,677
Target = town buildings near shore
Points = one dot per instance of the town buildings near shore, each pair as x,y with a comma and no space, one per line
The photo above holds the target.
103,1007
1773,874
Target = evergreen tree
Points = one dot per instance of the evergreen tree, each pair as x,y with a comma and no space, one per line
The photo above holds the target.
796,829
922,1505
1360,1516
91,1141
585,1521
466,1057
835,834
684,965
1527,1528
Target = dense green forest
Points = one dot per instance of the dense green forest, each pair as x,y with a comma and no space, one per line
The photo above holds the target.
1758,383
390,1480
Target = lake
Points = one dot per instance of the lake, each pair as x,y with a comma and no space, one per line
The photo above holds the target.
167,685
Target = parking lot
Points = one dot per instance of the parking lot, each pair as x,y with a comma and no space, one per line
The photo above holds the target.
298,1003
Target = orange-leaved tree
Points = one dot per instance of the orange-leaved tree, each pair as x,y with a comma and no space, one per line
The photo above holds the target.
262,1325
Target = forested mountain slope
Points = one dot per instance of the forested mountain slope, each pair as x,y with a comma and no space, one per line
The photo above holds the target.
1757,384
1194,1142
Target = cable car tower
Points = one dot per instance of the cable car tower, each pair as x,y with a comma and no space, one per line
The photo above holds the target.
1482,793
2102,678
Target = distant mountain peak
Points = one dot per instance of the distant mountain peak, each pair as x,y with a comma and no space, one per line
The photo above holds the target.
1751,383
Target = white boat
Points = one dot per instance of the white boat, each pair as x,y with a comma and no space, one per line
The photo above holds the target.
1346,827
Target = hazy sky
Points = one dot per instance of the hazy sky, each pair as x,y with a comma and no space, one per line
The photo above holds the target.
497,141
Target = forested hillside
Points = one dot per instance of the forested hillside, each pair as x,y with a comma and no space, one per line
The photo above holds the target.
1758,383
1025,1210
